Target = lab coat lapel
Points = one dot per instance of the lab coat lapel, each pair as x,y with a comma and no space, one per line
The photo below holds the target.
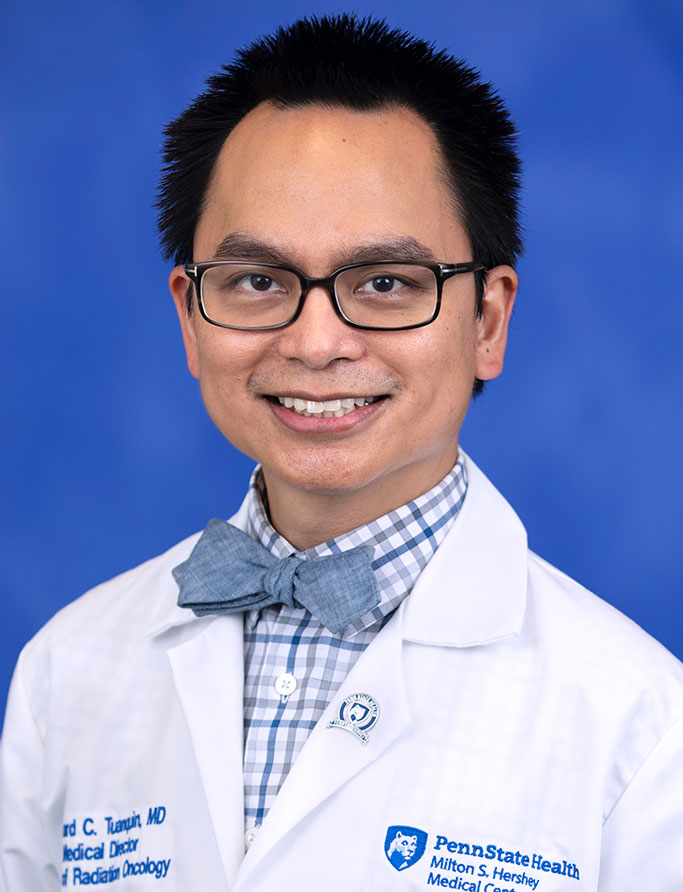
208,674
332,756
473,591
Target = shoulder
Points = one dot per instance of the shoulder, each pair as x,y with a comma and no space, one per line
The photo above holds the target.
125,600
572,647
617,677
106,625
622,686
584,627
135,602
559,615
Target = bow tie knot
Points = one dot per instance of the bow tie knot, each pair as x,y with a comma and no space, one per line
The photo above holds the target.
280,579
229,572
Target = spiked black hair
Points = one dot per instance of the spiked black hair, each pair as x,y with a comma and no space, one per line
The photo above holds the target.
361,64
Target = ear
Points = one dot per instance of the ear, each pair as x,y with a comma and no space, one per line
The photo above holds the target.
178,284
499,298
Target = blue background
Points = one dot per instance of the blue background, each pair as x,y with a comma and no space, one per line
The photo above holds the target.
109,455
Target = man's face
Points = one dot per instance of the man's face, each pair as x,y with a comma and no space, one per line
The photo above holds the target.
317,189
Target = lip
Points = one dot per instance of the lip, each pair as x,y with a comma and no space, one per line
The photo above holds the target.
322,398
311,425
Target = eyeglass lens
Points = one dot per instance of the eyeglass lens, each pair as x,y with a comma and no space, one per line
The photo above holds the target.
374,295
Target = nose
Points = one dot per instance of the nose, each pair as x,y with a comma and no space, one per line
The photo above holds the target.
319,337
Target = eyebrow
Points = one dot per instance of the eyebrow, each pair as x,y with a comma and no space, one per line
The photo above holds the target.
241,246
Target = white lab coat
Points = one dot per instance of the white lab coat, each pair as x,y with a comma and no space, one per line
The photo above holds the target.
529,737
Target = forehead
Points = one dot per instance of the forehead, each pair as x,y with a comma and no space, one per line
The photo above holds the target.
333,174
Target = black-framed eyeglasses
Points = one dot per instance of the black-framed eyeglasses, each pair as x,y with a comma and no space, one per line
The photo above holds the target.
384,295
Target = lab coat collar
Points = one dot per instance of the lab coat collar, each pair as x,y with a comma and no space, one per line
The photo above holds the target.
473,591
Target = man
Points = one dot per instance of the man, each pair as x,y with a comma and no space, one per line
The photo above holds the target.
374,685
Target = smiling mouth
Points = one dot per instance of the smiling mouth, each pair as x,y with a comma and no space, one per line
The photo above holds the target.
326,408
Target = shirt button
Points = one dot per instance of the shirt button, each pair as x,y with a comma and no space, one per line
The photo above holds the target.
250,836
286,684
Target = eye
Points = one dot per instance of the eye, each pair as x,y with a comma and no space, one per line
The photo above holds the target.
256,282
381,285
384,283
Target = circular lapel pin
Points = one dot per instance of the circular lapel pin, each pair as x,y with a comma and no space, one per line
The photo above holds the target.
358,713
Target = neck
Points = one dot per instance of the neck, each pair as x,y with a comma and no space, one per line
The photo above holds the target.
307,518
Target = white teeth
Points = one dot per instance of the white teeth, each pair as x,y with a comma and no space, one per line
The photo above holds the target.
325,408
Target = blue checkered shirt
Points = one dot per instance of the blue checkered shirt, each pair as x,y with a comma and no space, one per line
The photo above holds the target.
281,640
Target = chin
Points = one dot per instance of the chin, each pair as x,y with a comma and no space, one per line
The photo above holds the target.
326,477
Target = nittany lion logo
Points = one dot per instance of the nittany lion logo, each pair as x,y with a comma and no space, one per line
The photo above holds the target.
404,846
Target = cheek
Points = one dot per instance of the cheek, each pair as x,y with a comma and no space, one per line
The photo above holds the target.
225,358
224,365
223,376
443,368
443,380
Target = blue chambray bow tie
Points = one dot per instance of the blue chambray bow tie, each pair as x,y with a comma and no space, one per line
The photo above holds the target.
228,572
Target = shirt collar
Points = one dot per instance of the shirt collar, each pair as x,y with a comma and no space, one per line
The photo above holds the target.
472,592
404,540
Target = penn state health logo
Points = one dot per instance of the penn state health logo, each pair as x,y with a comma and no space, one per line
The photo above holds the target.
357,714
404,846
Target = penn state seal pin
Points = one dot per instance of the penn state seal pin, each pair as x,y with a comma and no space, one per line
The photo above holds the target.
358,714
